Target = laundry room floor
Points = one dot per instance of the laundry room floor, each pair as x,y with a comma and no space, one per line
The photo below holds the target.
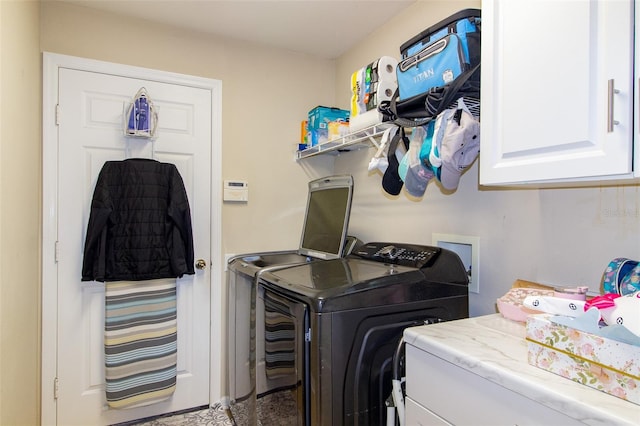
214,416
274,409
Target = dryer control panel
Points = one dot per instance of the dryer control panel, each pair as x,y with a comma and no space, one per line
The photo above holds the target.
399,254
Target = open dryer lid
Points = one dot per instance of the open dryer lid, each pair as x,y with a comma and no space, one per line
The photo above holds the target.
327,217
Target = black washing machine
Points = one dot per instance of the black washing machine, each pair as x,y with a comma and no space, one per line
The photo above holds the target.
331,328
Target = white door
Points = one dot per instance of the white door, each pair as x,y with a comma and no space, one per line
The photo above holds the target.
557,90
90,118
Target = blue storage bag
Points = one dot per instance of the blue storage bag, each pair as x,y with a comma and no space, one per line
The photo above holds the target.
440,54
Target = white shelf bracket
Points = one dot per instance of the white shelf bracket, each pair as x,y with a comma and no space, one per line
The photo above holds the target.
373,141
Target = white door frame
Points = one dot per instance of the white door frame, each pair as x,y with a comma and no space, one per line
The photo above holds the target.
51,64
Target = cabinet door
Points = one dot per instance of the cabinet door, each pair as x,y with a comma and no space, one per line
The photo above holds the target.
557,90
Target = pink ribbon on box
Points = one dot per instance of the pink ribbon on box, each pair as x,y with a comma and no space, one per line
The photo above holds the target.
604,301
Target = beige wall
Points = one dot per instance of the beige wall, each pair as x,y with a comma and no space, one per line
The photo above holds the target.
20,176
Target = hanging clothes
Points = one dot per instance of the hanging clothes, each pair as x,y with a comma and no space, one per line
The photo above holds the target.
140,224
139,240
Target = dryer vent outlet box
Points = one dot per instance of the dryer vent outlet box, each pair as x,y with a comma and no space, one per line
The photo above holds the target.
468,249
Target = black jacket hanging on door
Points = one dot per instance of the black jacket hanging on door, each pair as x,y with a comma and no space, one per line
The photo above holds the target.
140,224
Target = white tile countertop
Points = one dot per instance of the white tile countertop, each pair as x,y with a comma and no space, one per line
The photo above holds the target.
495,349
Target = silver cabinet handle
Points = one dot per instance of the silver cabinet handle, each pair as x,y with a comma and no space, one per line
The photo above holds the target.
611,90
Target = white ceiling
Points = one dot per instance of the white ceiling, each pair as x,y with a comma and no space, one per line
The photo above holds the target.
325,28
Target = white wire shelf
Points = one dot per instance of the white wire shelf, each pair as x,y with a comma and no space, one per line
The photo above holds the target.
351,142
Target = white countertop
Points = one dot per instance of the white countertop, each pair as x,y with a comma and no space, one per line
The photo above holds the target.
495,348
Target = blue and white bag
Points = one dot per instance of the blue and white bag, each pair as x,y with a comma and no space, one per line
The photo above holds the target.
440,54
437,67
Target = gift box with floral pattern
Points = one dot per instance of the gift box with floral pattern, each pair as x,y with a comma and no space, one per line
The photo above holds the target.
599,362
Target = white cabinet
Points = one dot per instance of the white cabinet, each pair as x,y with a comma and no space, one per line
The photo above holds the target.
441,393
557,90
474,371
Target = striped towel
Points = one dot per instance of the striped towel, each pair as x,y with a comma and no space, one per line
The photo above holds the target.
140,342
280,339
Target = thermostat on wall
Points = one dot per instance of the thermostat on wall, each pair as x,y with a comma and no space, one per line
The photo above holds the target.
236,190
